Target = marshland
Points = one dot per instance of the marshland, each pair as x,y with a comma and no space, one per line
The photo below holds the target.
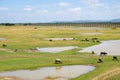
20,49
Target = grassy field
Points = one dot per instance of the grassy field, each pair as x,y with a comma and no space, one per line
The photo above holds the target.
25,37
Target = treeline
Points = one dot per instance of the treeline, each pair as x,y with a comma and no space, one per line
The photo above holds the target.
88,24
8,24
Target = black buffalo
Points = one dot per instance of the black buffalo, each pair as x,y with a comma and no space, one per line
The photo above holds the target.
103,53
100,61
115,58
86,39
4,45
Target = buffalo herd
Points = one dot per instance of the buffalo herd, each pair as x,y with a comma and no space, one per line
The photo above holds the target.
59,61
93,39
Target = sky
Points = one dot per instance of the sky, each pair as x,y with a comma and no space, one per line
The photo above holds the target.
35,11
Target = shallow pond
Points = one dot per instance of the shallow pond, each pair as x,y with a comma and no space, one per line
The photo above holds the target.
91,33
112,47
55,73
2,38
59,39
56,49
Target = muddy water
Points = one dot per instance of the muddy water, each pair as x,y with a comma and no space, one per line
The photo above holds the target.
112,47
55,73
56,49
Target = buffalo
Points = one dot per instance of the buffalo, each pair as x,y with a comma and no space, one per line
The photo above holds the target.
103,53
95,40
50,40
115,58
86,39
4,45
100,61
58,61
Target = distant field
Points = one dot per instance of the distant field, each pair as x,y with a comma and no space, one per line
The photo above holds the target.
25,37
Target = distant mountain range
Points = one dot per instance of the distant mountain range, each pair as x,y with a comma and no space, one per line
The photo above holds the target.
115,20
88,21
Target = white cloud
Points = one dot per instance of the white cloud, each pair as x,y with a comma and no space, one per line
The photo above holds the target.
118,5
89,1
42,11
27,8
9,14
98,5
60,12
45,11
76,9
69,10
63,4
94,4
3,8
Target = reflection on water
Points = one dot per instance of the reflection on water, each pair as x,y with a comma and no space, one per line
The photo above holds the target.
56,49
57,73
111,47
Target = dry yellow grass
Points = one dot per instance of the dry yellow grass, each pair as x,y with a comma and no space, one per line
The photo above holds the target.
107,75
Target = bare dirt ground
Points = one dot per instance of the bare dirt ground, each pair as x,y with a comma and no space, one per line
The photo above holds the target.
4,49
10,78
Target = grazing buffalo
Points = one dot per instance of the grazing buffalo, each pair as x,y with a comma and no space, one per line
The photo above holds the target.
93,52
95,40
4,45
74,38
50,40
15,50
86,39
64,39
100,61
103,53
33,49
35,27
58,61
115,58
